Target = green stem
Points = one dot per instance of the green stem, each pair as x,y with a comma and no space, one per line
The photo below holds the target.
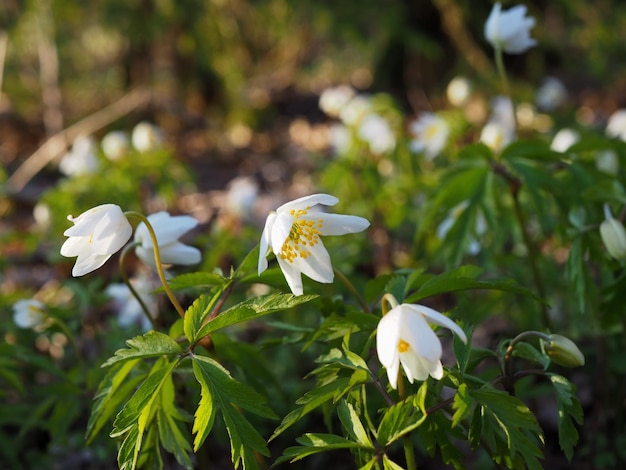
157,261
409,453
506,90
508,378
126,280
353,290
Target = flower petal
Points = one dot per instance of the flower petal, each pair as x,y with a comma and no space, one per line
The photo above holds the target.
419,335
308,201
167,228
338,224
280,230
264,244
433,316
86,264
179,253
317,265
292,276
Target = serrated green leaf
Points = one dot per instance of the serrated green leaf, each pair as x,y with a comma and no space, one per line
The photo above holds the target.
312,443
352,424
398,420
570,410
465,278
251,309
462,405
197,279
249,263
168,419
388,464
196,314
152,344
530,150
530,353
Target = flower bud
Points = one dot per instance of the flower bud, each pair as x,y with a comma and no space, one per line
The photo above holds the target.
564,352
613,236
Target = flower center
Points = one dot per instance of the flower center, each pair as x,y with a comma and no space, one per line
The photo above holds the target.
403,346
303,235
431,131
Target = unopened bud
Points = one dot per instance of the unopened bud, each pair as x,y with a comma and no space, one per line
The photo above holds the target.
613,236
564,352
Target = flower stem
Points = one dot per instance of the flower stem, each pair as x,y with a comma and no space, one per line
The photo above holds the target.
504,81
133,291
353,290
409,453
157,261
508,377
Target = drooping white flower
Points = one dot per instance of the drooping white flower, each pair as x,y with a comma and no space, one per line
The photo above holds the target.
564,139
431,134
459,91
293,234
405,338
129,309
613,235
97,235
81,159
496,136
28,313
377,132
332,100
115,145
146,137
551,95
616,127
168,230
510,29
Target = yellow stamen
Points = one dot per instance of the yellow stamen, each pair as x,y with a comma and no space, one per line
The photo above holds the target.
403,346
303,234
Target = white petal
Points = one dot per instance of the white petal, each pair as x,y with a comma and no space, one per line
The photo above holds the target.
388,336
75,246
414,366
281,227
419,335
308,201
179,253
87,264
292,276
265,242
111,234
317,265
167,229
433,316
338,224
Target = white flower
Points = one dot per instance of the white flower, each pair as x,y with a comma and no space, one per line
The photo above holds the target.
551,94
431,134
146,137
339,138
459,91
168,230
496,136
355,110
613,235
377,133
404,337
28,313
332,100
129,309
242,195
97,234
616,126
82,159
510,29
564,139
115,145
607,161
502,112
293,234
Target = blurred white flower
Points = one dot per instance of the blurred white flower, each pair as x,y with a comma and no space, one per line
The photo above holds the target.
376,131
480,227
616,126
502,110
459,91
613,235
510,29
564,139
242,195
293,234
42,215
81,159
333,100
355,110
28,313
496,136
97,234
168,230
115,145
339,138
431,134
551,95
129,311
405,337
607,161
146,137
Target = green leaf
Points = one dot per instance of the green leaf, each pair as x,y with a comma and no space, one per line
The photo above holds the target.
197,279
352,424
314,444
152,344
530,150
530,353
196,314
168,418
462,405
388,464
398,420
218,387
251,309
113,389
569,411
465,278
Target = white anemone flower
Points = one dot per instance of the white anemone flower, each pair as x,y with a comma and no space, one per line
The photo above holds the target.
81,159
129,310
97,235
376,131
168,230
115,145
616,127
496,136
355,110
28,313
431,134
332,100
607,161
564,139
459,91
293,234
551,95
404,337
509,30
146,137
